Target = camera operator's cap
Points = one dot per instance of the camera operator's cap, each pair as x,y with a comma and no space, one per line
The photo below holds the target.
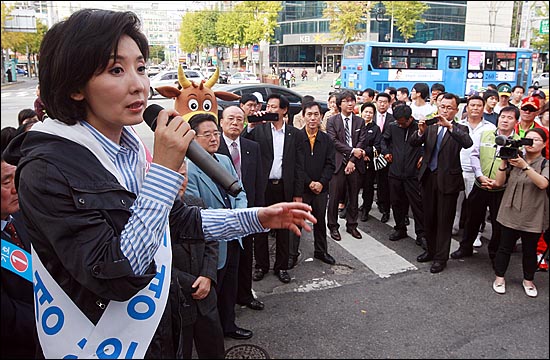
539,93
504,89
531,101
259,96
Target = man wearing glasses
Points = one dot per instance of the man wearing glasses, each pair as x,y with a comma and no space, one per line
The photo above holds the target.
215,197
441,178
529,109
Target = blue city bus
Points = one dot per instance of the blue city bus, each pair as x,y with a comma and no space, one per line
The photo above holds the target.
460,66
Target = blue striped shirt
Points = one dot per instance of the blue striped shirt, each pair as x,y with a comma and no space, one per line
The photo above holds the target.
142,235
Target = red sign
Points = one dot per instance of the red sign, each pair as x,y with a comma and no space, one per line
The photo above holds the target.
19,260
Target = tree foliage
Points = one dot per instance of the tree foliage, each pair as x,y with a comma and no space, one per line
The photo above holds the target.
405,15
262,19
345,17
539,41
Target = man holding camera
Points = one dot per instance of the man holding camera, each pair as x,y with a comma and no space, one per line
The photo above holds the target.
530,107
485,161
441,178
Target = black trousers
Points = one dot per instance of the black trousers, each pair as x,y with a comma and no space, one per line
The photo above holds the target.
226,287
479,199
274,193
318,205
528,248
383,190
244,288
439,214
207,333
336,188
402,193
367,184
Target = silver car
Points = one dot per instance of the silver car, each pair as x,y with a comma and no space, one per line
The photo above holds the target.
170,78
541,80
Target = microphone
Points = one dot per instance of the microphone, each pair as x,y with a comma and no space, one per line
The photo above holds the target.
501,140
199,156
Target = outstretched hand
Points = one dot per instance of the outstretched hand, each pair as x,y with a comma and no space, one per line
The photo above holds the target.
287,215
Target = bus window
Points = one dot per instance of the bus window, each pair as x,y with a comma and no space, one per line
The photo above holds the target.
355,51
506,61
455,62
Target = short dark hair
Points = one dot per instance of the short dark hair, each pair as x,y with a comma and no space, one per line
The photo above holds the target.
539,131
25,114
422,89
392,90
344,95
488,93
309,105
402,111
76,49
398,103
248,97
369,91
307,98
475,97
403,90
451,96
511,108
7,134
198,119
366,105
518,87
283,101
438,87
384,95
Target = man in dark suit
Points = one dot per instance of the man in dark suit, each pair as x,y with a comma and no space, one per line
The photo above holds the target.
441,178
246,157
194,275
215,197
281,144
18,326
318,166
348,133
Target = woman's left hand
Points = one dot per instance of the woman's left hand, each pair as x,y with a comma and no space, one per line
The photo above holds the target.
518,162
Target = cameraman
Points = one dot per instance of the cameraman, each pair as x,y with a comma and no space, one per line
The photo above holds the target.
485,162
523,212
530,107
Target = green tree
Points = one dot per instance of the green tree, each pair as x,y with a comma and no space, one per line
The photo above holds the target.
231,29
262,17
405,15
156,53
188,38
539,42
345,17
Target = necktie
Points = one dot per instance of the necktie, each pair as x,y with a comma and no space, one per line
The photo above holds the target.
381,122
236,157
348,133
10,230
433,160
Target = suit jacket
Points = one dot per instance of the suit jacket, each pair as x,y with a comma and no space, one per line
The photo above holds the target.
449,169
337,132
293,159
190,260
251,170
319,163
18,326
202,186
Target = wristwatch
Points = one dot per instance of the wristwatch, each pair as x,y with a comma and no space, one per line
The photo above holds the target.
526,168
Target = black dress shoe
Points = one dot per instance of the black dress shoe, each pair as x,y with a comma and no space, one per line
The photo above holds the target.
461,253
335,234
385,217
326,258
422,242
438,266
258,275
240,334
342,213
424,257
292,261
398,235
354,232
364,216
255,304
283,276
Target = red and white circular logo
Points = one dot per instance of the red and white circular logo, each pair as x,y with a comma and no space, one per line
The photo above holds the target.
19,260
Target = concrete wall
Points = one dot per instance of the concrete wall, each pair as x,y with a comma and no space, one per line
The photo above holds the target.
481,14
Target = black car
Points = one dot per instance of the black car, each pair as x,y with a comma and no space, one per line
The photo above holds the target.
224,75
293,97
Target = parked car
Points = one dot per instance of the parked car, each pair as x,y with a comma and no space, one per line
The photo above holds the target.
170,78
293,97
224,75
541,80
21,71
243,78
153,70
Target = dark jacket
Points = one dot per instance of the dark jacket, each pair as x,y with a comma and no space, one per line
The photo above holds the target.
337,132
319,163
74,197
449,170
396,141
293,161
372,141
18,326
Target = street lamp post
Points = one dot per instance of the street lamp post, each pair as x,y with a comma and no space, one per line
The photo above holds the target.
278,42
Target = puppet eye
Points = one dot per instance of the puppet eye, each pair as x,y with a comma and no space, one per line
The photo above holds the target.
207,105
193,105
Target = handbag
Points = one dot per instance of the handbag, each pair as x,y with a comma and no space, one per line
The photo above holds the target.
379,161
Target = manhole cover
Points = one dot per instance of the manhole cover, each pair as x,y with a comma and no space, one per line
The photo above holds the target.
245,351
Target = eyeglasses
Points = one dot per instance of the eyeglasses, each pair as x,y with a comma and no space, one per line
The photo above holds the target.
528,109
209,135
446,108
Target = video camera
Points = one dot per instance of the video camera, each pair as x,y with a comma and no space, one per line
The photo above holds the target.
510,147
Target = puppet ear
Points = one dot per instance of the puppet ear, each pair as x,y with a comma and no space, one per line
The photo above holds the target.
168,91
213,79
227,96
